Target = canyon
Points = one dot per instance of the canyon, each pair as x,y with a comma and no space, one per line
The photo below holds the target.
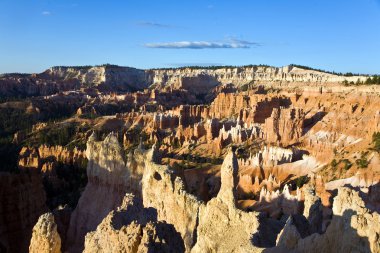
220,159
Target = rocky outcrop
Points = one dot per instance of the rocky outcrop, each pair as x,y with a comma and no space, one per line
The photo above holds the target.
36,158
29,158
45,237
131,228
58,79
289,235
165,192
285,126
62,170
244,75
22,201
107,77
223,227
313,209
270,156
353,228
108,180
31,85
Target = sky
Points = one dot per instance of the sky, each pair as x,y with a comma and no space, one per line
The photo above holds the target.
334,35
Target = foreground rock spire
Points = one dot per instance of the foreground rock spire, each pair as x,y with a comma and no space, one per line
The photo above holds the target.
45,238
223,227
108,182
229,178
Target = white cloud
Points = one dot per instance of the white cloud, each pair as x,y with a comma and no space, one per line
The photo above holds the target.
153,24
46,13
203,44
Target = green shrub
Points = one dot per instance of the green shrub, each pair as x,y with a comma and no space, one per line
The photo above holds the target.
347,164
374,80
362,163
376,141
301,181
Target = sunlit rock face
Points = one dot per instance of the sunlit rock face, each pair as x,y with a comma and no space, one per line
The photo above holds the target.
131,228
165,192
353,228
45,237
285,126
220,217
108,180
107,77
197,81
242,75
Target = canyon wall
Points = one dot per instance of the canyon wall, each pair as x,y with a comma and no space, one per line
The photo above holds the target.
108,76
198,81
22,201
244,75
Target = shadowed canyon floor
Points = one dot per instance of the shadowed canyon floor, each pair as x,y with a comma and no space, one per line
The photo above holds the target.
246,159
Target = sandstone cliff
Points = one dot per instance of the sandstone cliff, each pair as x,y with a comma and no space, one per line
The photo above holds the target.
38,158
107,76
108,181
244,75
198,81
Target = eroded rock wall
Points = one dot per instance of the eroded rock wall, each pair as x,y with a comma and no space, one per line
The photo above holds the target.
165,192
108,182
131,228
22,201
244,75
353,228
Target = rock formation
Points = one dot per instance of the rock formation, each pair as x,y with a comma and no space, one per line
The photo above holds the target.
45,237
222,227
111,77
22,201
108,180
116,78
165,192
131,228
353,228
36,158
244,75
285,126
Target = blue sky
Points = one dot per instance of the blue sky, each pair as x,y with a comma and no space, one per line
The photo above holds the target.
339,35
